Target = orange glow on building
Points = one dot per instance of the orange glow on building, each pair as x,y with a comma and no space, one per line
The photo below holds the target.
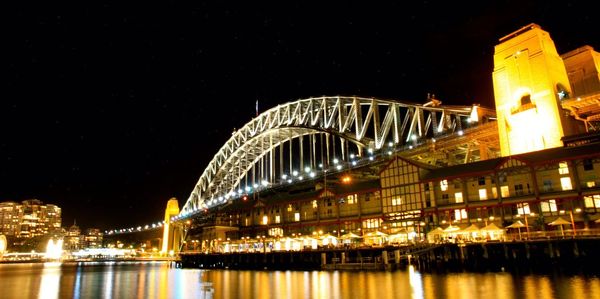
170,237
530,81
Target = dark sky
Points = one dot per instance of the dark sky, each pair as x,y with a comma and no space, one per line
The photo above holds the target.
108,110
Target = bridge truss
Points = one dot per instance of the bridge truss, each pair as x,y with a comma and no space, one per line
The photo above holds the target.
302,139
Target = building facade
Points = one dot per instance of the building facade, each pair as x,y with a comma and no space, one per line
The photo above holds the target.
30,218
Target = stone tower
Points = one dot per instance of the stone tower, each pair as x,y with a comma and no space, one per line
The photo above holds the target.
530,81
171,234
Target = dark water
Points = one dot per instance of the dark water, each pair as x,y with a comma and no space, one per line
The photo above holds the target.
158,280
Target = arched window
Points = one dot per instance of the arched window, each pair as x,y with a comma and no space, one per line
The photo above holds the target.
525,99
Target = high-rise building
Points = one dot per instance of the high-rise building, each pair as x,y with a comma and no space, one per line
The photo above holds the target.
29,219
93,238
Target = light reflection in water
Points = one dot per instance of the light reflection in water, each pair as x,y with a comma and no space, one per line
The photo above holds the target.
158,280
50,281
416,284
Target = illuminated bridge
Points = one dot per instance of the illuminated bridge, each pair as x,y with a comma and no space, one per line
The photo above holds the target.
304,139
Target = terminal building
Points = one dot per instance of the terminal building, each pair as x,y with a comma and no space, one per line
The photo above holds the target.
535,160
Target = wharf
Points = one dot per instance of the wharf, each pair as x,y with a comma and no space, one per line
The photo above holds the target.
578,254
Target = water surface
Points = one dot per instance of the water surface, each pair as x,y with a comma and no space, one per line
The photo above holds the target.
159,280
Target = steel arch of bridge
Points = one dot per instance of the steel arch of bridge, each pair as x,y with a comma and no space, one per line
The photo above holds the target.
365,122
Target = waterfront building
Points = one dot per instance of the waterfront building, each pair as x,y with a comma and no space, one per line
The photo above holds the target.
93,238
30,218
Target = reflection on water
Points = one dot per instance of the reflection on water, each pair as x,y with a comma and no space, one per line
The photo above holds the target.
158,280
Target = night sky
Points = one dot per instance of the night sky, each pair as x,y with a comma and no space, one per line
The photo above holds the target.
110,110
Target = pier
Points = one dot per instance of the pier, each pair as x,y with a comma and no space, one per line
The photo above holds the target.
576,254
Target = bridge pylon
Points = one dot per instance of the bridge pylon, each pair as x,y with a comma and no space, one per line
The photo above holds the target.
171,233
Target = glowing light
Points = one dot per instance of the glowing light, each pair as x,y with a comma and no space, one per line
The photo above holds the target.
248,189
352,156
346,179
413,137
390,144
255,186
300,178
284,177
460,132
474,116
54,250
265,183
353,163
289,181
370,150
295,173
371,158
338,167
312,174
335,161
306,169
3,245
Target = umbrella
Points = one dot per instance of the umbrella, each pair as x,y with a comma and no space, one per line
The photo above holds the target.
492,229
377,234
517,224
561,222
451,228
350,236
437,231
472,228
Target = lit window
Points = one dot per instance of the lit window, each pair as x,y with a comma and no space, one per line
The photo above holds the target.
483,194
277,219
297,217
549,206
566,183
589,201
265,220
495,192
396,201
289,208
458,197
592,201
504,191
314,204
563,168
460,214
444,185
523,209
351,199
591,184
